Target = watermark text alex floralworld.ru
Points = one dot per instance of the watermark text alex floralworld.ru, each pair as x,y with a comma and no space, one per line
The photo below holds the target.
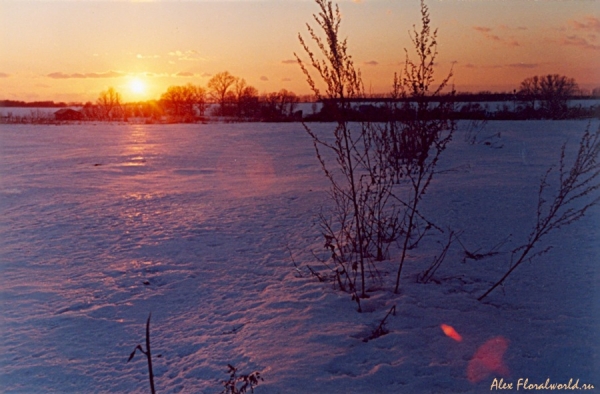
526,384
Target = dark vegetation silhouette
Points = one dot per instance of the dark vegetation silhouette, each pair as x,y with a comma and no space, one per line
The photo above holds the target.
184,103
148,355
219,87
344,229
574,193
109,105
552,92
239,384
229,98
33,104
236,384
418,140
378,171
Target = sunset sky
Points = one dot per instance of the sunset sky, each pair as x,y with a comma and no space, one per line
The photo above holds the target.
72,50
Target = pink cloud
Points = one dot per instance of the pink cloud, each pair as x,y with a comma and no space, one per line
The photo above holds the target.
588,23
482,29
580,42
523,65
486,32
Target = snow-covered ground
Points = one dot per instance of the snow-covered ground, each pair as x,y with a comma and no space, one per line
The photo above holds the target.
202,224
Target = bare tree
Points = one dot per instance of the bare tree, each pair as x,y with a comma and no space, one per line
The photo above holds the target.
182,102
552,91
279,106
109,102
219,86
246,99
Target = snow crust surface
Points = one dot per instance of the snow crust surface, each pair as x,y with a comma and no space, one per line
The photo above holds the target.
211,228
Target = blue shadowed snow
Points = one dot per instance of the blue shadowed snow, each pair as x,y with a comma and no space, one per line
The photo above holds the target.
201,225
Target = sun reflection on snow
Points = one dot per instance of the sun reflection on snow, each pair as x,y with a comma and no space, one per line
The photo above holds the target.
136,146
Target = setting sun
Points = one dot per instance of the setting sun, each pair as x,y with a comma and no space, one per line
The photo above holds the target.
137,86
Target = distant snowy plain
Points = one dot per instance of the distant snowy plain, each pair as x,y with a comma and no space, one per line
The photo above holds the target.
203,224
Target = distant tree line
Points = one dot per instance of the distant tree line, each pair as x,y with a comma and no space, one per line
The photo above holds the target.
225,96
230,98
32,104
538,97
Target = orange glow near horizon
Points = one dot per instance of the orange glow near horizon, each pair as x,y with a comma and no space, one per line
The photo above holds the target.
75,50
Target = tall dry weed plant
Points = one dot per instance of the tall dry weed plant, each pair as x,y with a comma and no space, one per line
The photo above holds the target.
378,172
574,195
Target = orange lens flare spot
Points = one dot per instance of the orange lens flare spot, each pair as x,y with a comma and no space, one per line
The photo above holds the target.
488,359
451,332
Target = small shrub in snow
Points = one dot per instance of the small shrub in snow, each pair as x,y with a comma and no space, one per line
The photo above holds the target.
238,384
378,173
359,193
574,184
418,141
427,275
381,330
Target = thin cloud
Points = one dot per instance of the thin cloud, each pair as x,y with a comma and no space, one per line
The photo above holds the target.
184,74
108,74
371,63
580,42
286,79
482,29
582,33
289,61
263,78
487,33
189,55
589,23
4,75
509,28
140,56
523,65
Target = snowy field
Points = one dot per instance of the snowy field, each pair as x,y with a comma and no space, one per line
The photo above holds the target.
202,224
